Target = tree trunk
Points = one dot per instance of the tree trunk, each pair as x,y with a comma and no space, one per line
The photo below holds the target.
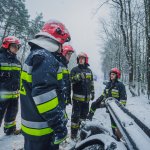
147,31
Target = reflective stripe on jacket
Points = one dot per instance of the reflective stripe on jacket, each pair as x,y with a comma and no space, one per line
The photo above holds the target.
40,94
116,90
83,87
10,68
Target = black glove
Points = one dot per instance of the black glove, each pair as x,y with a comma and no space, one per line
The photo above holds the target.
92,96
58,122
100,99
60,132
82,76
90,116
60,135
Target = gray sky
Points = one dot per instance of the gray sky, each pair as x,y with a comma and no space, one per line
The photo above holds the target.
77,15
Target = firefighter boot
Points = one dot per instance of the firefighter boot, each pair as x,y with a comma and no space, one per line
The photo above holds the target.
10,130
74,132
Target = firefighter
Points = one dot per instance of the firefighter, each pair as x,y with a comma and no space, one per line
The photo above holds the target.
10,68
43,117
64,58
67,52
83,92
114,88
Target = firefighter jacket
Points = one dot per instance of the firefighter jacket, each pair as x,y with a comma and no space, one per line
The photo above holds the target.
115,89
41,95
82,83
10,68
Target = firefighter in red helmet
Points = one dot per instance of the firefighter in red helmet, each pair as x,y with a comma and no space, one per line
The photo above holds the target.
114,88
64,58
83,92
67,51
42,89
10,68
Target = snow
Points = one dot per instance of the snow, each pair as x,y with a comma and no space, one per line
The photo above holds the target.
135,132
105,139
139,106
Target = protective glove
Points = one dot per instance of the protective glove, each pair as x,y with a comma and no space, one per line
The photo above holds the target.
90,116
60,135
92,96
77,77
9,131
122,102
102,105
83,76
60,130
58,122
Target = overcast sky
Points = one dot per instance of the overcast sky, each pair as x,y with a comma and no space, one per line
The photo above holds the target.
78,17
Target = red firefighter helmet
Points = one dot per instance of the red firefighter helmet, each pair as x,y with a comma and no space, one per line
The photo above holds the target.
82,54
66,49
55,30
116,71
10,40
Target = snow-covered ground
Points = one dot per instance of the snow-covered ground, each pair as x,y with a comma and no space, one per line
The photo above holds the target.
139,106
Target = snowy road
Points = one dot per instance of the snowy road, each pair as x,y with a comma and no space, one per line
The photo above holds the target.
139,106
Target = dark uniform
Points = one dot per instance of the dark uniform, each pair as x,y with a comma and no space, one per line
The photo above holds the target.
10,68
42,113
113,89
67,81
41,95
83,87
66,77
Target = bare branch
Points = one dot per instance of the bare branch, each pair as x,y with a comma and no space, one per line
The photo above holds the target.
100,7
116,2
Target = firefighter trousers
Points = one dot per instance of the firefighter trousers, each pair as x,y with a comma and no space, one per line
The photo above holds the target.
39,145
79,112
8,112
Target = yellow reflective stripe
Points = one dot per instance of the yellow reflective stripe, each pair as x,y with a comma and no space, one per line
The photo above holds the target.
75,126
88,76
65,115
91,110
48,105
25,76
103,94
113,126
22,89
123,102
80,99
65,71
10,68
36,132
59,76
115,94
9,96
7,125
